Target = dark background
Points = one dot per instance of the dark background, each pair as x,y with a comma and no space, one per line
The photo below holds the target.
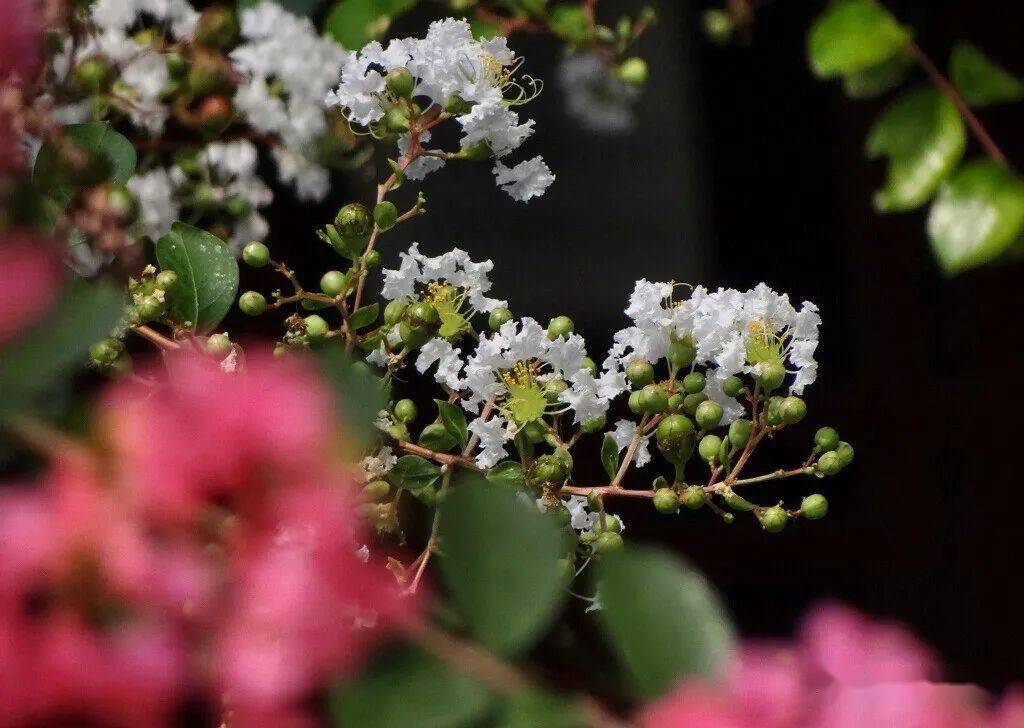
744,168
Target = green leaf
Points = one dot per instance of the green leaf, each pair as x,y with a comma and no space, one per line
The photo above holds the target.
483,30
509,474
876,80
662,618
437,439
409,688
93,136
977,215
412,472
363,317
454,421
853,36
207,275
59,343
923,136
979,79
569,22
540,710
610,456
500,563
353,23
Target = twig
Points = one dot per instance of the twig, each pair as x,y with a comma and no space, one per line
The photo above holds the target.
156,338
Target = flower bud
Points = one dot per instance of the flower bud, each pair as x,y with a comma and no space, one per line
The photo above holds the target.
635,404
498,317
739,432
709,414
332,283
844,451
773,519
217,28
590,366
709,448
400,82
825,439
666,500
675,402
405,410
693,497
393,312
554,388
640,373
534,432
692,401
166,279
773,412
770,375
693,383
105,352
654,399
150,308
718,25
681,352
385,214
423,313
477,152
607,542
633,71
548,469
793,409
353,221
814,507
829,463
413,336
218,344
376,491
93,75
732,386
372,259
560,327
594,424
396,119
121,202
673,431
177,65
256,254
316,327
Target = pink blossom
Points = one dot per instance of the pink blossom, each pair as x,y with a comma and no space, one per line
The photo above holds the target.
29,279
19,40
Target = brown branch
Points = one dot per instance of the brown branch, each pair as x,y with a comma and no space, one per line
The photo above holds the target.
157,339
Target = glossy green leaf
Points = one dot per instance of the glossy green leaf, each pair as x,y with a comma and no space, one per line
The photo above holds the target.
853,36
540,710
662,618
363,317
437,439
93,136
610,456
509,474
454,421
353,23
876,80
500,561
409,688
412,472
979,79
977,216
207,275
923,136
58,344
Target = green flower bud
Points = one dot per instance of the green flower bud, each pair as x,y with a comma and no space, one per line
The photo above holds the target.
423,313
709,414
398,431
773,412
204,76
844,451
456,105
666,500
693,497
413,336
105,352
770,375
640,373
217,28
564,457
218,344
394,312
692,401
256,254
166,279
376,491
427,496
594,424
675,402
372,259
396,120
654,398
93,75
316,327
385,214
709,447
560,327
773,519
554,388
829,463
825,439
149,308
400,82
635,404
633,71
732,386
814,507
353,221
332,283
405,410
739,432
498,317
607,542
433,434
673,431
693,383
793,409
590,366
681,352
238,207
548,469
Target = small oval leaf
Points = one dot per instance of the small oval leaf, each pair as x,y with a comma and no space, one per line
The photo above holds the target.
412,472
207,275
852,36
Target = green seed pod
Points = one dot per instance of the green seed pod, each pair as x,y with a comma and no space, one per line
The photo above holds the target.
376,491
594,424
548,469
423,313
218,344
654,398
681,352
560,327
635,405
400,82
316,327
498,317
332,283
829,463
607,542
793,409
692,401
825,439
770,375
353,221
709,414
693,383
413,336
844,451
385,214
640,373
554,388
673,431
405,411
633,71
166,279
256,254
393,312
666,500
590,366
732,386
814,507
739,432
773,519
709,447
693,497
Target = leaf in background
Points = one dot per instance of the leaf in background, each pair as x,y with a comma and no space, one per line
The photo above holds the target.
354,23
569,22
977,215
540,710
412,472
359,394
207,275
923,136
483,30
509,474
853,36
610,456
876,80
409,688
662,618
454,421
979,79
437,439
93,136
363,317
500,561
49,350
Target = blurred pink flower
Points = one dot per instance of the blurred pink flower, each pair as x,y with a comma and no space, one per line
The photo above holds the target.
19,40
29,280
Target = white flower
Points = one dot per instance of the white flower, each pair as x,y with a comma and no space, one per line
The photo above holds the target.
453,267
594,96
421,166
526,180
154,192
584,398
449,364
496,124
582,519
310,180
565,354
232,169
377,466
623,435
493,435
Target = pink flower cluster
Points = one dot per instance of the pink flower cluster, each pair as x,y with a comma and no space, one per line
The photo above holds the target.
207,554
843,671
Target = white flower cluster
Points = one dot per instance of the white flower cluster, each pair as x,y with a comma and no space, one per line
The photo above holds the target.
724,325
447,62
584,520
453,267
287,68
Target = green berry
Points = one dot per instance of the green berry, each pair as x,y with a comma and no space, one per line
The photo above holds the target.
166,279
732,386
829,463
666,500
709,414
423,313
218,344
770,375
498,318
773,519
693,497
316,327
405,410
332,283
640,373
739,432
256,254
393,312
548,469
709,447
400,82
635,403
633,71
376,490
693,383
814,507
654,398
608,541
673,431
594,424
844,451
560,327
554,388
252,303
826,439
681,352
385,214
793,409
590,366
692,401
